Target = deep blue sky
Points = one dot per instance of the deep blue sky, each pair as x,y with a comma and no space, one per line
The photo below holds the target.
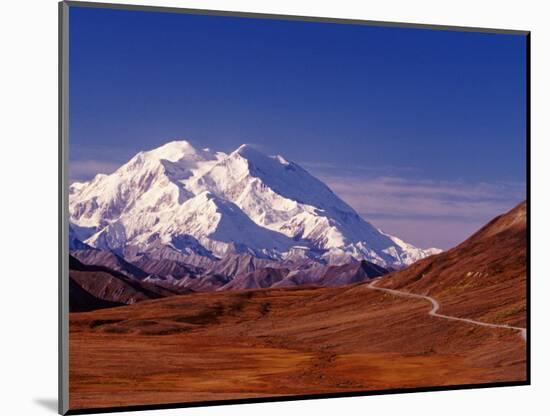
344,100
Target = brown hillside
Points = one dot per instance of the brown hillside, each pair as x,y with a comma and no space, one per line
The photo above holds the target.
313,340
483,278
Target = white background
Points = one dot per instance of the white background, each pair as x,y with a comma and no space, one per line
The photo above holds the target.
28,206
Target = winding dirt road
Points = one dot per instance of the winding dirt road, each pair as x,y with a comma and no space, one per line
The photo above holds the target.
435,308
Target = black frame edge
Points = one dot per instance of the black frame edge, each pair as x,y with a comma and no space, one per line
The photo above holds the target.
528,196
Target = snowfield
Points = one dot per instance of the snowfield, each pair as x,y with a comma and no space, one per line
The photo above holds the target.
203,203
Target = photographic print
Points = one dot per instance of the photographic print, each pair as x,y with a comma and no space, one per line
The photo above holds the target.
274,208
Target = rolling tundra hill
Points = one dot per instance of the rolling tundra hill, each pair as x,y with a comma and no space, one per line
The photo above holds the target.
483,278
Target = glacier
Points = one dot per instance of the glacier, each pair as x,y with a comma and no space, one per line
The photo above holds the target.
177,200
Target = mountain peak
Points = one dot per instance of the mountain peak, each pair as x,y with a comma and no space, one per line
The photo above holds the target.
252,154
242,147
176,191
248,151
173,151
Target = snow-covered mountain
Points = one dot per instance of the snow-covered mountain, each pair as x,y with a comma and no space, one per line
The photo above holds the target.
202,203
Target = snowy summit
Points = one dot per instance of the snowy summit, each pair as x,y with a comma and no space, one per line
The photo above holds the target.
178,199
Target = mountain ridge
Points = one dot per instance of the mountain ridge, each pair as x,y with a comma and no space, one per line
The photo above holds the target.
203,203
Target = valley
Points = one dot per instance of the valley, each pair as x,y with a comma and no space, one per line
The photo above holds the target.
361,336
264,343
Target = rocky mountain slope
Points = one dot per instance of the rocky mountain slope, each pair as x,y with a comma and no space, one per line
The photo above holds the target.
96,287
